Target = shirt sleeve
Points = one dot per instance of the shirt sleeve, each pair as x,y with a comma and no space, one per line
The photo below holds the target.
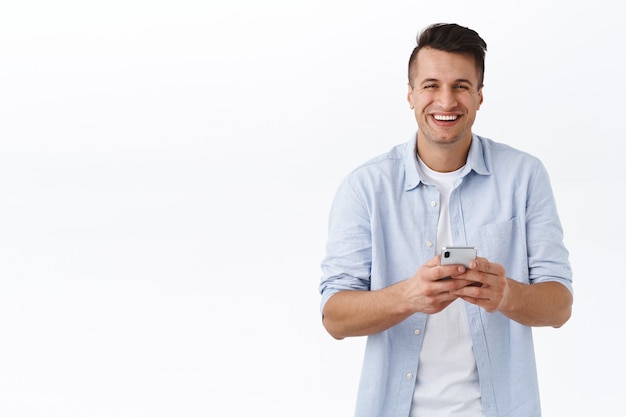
347,263
548,258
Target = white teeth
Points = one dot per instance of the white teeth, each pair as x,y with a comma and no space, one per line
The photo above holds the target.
445,118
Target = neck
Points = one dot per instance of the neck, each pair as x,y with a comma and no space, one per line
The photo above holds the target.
443,157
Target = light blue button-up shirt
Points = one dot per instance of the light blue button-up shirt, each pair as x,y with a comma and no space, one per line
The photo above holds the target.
383,227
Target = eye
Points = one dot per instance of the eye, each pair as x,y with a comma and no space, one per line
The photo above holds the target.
461,87
427,86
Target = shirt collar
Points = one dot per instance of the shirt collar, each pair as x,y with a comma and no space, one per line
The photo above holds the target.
476,161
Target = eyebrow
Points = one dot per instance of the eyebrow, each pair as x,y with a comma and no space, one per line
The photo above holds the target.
460,80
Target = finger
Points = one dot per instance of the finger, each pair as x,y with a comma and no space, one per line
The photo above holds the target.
472,291
434,261
478,301
471,300
458,283
483,265
449,271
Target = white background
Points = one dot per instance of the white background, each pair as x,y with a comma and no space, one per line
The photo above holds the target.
166,170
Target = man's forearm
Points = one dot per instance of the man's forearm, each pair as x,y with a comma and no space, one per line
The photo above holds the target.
541,304
361,313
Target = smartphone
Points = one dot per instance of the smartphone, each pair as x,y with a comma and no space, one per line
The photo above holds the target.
463,255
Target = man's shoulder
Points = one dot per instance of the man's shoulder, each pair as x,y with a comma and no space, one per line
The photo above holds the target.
383,171
499,146
494,150
391,159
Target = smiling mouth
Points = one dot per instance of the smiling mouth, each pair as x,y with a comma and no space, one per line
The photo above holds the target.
445,118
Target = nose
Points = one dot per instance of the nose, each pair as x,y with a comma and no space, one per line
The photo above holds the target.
446,98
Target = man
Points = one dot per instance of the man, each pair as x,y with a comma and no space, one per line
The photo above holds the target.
446,347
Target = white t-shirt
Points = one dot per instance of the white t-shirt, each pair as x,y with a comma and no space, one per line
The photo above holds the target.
447,378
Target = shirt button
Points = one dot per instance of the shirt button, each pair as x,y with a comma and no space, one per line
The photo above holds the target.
433,203
409,376
418,331
429,244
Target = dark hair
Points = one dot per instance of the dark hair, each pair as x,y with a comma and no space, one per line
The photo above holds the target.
450,37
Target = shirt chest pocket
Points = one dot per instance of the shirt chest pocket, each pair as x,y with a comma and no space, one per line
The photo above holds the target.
504,243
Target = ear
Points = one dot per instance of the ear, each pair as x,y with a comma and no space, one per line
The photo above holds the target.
409,96
480,98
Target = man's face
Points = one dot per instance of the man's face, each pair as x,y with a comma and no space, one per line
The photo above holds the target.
445,96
